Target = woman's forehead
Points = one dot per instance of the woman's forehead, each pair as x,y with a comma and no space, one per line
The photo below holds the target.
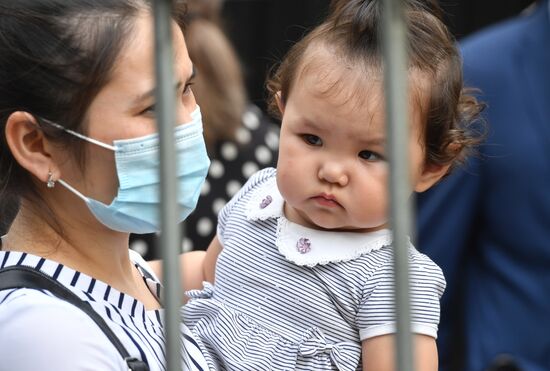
134,69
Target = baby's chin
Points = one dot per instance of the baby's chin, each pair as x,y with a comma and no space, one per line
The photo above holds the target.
328,221
334,226
352,229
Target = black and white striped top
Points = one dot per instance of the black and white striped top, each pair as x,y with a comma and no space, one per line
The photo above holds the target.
38,331
290,297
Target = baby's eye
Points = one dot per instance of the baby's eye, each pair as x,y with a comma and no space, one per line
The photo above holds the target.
370,156
311,139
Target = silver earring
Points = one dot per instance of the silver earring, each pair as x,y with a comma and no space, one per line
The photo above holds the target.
51,181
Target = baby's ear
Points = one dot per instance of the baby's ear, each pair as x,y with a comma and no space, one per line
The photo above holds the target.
431,174
280,103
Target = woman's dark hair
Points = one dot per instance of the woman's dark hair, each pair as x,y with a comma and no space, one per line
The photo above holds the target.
352,32
55,56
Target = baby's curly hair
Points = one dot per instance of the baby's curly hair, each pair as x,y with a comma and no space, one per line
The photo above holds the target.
352,31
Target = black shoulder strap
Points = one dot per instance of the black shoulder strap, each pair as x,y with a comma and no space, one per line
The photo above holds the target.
16,277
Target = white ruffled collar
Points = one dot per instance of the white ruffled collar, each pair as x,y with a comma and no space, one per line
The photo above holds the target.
307,246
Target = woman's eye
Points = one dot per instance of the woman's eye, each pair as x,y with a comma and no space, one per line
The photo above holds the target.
311,139
187,89
370,156
149,110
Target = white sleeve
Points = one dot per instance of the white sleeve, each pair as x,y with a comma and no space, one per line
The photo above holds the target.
376,315
39,332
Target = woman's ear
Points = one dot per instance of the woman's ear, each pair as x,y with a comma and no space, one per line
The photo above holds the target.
431,174
280,103
29,146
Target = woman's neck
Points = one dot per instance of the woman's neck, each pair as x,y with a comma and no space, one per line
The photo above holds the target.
97,252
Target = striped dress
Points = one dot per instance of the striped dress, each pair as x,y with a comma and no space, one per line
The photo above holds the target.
292,298
41,332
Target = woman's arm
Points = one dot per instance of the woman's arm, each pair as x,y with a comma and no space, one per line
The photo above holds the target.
196,266
191,269
379,353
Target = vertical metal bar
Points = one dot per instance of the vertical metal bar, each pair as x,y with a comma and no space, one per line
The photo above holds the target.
169,238
395,83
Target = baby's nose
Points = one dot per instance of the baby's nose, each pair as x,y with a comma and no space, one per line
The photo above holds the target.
334,172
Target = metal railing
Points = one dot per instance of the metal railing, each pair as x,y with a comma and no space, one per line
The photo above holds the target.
395,84
170,236
395,77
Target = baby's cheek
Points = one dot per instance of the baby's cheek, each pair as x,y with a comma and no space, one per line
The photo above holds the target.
373,206
285,183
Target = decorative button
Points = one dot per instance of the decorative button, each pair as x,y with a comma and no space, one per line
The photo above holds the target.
303,245
265,202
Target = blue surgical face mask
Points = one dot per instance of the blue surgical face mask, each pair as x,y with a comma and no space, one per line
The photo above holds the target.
136,207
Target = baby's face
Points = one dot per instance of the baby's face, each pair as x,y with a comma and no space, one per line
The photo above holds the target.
332,168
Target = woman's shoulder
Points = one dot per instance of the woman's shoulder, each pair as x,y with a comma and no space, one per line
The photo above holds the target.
54,330
35,306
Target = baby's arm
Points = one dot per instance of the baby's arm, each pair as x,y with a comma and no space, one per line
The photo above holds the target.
376,315
379,353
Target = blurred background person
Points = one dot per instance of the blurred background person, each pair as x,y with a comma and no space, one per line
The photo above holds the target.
488,225
240,139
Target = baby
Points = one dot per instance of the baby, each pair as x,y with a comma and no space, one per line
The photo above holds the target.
303,257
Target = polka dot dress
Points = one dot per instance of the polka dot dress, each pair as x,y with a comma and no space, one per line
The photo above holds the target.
232,163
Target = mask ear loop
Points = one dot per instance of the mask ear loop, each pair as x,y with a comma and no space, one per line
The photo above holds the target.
73,190
51,184
78,135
